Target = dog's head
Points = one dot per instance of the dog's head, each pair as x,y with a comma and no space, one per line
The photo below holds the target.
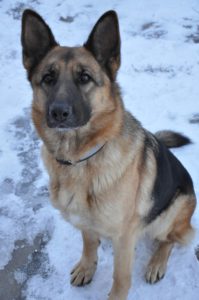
74,88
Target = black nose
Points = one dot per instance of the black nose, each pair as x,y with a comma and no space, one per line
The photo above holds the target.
59,111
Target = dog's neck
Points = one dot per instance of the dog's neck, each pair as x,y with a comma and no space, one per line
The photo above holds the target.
91,152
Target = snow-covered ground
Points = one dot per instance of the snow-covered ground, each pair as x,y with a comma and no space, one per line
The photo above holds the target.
160,83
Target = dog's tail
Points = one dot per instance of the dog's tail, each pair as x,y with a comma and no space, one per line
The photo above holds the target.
172,139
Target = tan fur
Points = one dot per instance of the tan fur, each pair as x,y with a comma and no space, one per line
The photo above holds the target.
83,272
182,232
174,224
158,263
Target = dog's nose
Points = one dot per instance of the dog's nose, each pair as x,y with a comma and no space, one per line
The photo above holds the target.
59,111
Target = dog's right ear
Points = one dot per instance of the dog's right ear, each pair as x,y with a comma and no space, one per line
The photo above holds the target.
36,38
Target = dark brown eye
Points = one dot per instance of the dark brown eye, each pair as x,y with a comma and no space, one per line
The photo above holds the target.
84,78
49,78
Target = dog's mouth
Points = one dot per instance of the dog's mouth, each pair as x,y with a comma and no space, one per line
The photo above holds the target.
64,128
67,129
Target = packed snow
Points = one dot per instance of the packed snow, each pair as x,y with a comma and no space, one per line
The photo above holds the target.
159,79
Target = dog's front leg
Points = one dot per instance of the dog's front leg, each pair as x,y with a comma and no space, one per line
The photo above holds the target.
124,247
83,272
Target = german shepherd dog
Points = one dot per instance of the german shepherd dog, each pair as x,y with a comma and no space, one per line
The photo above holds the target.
109,176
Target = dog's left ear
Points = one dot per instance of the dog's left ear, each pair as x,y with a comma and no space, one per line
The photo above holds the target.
104,43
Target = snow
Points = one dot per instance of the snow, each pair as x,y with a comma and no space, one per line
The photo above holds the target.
159,81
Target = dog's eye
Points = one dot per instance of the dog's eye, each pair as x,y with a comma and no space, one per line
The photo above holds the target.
84,78
49,78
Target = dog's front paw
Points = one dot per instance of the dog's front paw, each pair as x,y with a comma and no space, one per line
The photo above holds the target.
113,296
118,293
82,273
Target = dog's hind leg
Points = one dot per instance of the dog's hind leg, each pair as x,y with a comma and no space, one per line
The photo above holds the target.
182,231
83,272
178,230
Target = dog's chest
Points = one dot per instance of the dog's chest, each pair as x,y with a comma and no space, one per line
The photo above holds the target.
90,198
85,210
73,206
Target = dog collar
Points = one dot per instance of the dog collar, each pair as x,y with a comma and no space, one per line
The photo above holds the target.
86,156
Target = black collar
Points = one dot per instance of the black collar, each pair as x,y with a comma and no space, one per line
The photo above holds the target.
86,156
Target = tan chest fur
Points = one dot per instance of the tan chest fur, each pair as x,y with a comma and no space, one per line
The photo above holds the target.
97,198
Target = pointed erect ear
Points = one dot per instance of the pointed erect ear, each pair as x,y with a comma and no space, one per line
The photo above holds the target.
104,43
36,38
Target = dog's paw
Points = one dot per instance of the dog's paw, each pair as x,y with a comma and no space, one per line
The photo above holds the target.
82,274
155,272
